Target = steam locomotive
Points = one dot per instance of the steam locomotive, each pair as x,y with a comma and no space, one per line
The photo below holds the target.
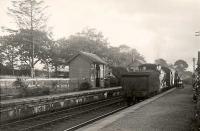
150,80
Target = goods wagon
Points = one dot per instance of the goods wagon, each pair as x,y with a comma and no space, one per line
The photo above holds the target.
137,85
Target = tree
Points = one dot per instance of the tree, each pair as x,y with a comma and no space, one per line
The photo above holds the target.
29,15
93,41
89,40
124,48
161,62
113,56
54,57
42,43
181,65
126,55
2,57
9,49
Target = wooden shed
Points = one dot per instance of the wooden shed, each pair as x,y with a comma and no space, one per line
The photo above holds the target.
87,66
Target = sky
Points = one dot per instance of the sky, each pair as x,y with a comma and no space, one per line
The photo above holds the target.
156,28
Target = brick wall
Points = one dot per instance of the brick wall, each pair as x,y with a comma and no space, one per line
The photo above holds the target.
80,69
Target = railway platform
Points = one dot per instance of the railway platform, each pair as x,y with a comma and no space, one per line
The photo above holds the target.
170,111
18,109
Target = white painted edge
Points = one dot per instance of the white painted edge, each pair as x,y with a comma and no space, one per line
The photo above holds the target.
110,119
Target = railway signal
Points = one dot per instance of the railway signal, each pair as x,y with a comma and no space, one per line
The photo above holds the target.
197,33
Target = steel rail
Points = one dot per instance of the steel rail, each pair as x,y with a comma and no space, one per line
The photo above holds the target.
94,119
57,112
68,116
149,100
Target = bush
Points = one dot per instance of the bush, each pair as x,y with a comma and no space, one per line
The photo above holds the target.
114,82
107,83
21,85
24,91
85,86
54,85
39,91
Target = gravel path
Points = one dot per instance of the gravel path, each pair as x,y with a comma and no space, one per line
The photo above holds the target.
172,112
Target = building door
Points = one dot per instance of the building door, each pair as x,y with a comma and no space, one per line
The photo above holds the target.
97,76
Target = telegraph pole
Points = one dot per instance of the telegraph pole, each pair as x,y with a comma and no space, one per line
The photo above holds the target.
32,43
193,59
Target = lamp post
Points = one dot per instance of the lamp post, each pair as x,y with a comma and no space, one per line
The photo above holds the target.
198,63
193,59
197,33
198,58
196,80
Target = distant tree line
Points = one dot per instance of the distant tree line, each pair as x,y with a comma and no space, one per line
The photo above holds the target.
180,66
32,43
15,50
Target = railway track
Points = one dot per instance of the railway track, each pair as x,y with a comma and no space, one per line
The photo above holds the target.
68,119
71,116
94,119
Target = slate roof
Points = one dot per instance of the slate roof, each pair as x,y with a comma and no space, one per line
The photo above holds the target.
90,56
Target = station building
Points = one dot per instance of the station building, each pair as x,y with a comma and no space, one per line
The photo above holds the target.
89,67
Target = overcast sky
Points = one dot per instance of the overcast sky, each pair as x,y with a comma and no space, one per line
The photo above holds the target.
156,28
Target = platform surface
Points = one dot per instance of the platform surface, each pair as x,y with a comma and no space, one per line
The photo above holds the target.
38,98
170,112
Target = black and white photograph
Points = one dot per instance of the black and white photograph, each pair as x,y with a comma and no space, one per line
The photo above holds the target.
100,65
